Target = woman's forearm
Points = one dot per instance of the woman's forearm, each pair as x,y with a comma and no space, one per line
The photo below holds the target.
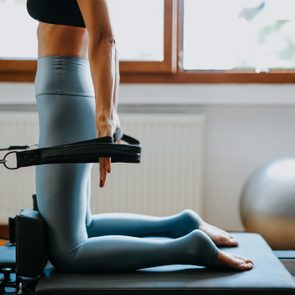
104,70
102,58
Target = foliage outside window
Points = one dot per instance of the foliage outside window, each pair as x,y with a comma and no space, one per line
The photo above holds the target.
239,35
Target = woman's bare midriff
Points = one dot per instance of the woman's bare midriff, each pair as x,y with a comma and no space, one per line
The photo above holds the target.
59,40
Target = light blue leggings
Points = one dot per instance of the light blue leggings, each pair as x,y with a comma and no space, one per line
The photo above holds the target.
79,241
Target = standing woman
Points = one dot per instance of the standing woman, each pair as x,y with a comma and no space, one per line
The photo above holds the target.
76,91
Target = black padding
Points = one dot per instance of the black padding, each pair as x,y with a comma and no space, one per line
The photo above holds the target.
285,254
290,265
31,243
11,223
269,277
7,256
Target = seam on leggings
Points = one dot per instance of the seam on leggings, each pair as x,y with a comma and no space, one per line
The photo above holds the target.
65,94
62,57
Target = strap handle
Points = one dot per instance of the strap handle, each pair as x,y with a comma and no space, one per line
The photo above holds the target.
4,161
88,151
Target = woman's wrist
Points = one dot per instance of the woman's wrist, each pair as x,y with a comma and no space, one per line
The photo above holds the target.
104,129
106,126
107,123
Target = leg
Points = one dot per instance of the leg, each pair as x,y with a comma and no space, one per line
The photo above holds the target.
125,253
142,225
62,189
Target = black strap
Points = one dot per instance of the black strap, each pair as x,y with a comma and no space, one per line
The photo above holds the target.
88,151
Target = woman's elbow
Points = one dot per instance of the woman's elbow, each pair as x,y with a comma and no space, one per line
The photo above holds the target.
102,38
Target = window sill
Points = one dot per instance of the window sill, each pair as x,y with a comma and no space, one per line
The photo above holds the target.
174,94
27,74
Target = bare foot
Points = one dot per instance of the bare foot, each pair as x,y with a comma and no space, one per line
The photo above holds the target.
228,260
218,236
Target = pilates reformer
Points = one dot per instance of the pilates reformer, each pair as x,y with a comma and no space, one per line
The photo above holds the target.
24,267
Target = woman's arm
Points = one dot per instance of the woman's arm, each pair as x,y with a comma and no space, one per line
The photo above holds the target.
104,69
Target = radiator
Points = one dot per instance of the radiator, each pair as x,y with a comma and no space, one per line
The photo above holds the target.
169,178
16,186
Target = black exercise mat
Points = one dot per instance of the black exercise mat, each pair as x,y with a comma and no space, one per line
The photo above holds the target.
269,276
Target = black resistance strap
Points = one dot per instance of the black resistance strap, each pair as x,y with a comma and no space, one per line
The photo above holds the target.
88,151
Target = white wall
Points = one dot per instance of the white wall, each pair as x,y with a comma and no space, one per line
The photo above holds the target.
247,126
239,140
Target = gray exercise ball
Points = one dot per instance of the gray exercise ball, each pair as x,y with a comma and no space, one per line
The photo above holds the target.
267,203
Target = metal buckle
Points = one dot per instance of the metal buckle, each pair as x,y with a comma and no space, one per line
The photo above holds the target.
4,161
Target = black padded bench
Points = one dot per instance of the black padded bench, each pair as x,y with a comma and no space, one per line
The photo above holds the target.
269,277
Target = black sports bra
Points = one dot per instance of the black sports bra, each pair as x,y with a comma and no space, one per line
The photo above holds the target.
59,12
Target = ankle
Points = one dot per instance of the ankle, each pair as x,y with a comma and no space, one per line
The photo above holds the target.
202,249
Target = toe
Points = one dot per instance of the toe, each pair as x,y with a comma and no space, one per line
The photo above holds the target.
246,263
227,242
248,266
248,260
223,240
245,266
234,242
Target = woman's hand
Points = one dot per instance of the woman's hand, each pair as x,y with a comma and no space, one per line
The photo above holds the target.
104,168
106,127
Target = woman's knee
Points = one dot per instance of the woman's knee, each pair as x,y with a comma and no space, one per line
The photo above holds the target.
64,262
63,255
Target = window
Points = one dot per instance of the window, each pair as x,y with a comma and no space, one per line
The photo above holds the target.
17,31
143,30
140,42
176,41
239,35
139,35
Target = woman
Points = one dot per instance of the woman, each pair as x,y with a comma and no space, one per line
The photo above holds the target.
76,46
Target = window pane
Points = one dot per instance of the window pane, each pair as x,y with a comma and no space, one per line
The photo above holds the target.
239,34
138,26
17,31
